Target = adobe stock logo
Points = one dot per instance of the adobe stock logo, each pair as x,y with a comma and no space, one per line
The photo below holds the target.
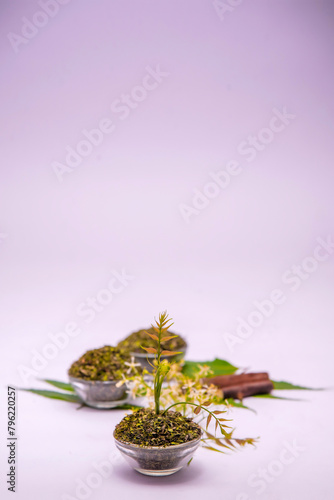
222,7
31,27
88,310
122,108
102,470
267,475
292,279
249,148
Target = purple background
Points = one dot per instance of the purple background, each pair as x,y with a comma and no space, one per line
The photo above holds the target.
120,208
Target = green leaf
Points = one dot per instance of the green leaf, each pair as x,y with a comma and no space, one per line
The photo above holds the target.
59,385
219,441
71,398
238,404
272,396
218,367
281,385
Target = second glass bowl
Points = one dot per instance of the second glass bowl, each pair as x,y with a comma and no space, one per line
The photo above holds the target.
100,394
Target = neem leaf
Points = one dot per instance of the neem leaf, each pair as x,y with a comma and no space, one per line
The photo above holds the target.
169,353
154,337
217,441
59,385
150,350
238,404
164,339
282,385
166,328
218,367
271,396
70,398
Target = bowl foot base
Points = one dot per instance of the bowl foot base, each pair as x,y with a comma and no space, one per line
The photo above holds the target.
167,472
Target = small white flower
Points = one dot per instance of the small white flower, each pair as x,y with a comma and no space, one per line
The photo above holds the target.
174,370
122,381
133,387
204,371
132,365
212,390
188,384
175,390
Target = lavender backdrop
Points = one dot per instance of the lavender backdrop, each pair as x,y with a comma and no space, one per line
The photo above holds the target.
168,155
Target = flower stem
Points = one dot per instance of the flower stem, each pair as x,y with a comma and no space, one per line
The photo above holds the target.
203,408
157,381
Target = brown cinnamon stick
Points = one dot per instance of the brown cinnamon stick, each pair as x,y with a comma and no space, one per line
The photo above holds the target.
246,390
243,385
243,378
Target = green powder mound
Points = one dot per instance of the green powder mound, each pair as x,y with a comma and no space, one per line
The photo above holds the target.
106,363
135,340
145,428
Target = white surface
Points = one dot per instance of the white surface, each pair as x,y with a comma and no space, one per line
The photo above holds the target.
58,444
59,242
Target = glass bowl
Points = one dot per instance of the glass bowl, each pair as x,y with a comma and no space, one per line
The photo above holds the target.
99,394
158,460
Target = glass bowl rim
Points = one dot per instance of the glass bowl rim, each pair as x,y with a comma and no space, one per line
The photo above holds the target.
171,446
89,382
